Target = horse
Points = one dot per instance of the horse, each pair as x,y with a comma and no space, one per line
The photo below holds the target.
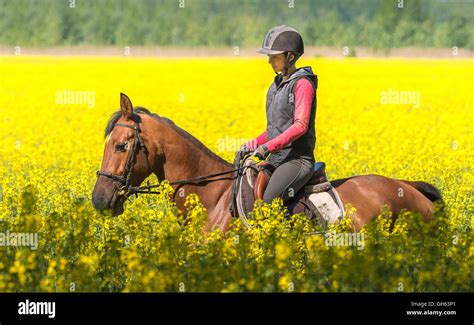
171,153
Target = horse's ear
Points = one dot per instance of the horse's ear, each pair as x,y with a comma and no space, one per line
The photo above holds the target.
126,106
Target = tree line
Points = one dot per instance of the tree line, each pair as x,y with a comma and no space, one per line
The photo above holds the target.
370,23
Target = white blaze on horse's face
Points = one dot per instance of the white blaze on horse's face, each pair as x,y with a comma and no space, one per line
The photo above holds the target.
109,137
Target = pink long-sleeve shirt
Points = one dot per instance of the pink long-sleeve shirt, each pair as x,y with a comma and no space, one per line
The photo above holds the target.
304,94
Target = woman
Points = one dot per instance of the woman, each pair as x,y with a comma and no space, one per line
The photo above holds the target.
290,135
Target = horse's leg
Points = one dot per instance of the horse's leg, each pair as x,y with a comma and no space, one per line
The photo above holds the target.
219,215
370,193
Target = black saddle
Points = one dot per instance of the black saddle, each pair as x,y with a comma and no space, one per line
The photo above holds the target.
250,186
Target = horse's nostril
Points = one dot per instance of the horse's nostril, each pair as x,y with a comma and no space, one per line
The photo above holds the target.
99,204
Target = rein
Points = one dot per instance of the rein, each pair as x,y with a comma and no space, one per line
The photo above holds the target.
122,182
196,180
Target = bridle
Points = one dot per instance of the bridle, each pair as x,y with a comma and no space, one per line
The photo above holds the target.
122,182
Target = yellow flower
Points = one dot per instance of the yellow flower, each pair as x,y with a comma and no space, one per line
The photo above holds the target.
282,253
284,283
47,179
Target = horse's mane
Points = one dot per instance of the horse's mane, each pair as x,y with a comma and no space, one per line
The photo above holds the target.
136,118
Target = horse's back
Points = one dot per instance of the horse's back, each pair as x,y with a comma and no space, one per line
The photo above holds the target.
370,193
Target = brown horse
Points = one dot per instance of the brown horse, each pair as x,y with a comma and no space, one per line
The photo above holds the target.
173,154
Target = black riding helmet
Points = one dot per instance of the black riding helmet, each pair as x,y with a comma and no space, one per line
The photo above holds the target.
283,39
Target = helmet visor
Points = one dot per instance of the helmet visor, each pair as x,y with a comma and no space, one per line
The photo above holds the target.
268,51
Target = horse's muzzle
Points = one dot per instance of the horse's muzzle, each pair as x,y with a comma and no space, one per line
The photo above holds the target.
105,197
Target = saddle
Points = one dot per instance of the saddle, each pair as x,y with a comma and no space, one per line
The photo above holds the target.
318,199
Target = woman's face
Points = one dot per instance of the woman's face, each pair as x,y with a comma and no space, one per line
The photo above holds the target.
277,61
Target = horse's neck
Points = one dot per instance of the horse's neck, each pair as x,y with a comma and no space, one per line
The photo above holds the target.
184,158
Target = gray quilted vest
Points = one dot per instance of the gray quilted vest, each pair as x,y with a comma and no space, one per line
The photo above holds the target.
280,115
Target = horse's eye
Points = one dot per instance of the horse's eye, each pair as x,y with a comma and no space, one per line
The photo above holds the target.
121,146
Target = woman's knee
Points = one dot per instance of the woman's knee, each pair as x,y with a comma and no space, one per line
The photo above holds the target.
270,194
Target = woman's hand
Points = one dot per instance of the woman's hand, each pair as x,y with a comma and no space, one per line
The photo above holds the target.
244,149
261,152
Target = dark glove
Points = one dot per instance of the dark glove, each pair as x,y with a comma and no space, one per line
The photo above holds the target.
261,152
244,149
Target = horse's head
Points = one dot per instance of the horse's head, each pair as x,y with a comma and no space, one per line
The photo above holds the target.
125,162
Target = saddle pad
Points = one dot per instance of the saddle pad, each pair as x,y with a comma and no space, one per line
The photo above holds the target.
328,204
309,189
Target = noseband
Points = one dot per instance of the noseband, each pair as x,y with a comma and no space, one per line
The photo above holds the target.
122,182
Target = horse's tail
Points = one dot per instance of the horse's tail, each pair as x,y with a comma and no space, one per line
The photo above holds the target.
428,190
